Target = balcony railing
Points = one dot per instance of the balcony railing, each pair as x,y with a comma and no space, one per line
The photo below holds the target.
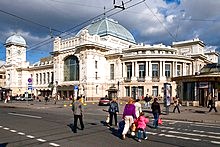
127,79
141,79
155,79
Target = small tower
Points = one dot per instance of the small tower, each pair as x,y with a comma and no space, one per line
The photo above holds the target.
15,50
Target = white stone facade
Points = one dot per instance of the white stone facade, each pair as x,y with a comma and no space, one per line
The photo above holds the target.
105,61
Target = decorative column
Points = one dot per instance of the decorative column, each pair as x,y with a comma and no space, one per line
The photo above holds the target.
136,70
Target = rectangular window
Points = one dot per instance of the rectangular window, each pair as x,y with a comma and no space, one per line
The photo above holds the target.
111,71
129,70
44,78
52,76
40,78
140,91
127,90
167,70
155,70
179,71
96,75
96,64
1,77
96,89
48,77
36,78
154,91
187,70
141,70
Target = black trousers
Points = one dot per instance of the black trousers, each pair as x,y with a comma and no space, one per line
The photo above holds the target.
76,117
213,108
176,107
111,118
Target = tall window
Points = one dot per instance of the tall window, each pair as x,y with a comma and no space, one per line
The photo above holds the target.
141,70
48,77
96,89
36,78
155,91
179,71
40,78
140,91
167,70
155,70
112,71
96,75
52,75
71,69
96,64
44,76
129,70
127,90
187,69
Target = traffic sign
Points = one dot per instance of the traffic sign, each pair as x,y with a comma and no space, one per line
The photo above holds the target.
29,80
75,87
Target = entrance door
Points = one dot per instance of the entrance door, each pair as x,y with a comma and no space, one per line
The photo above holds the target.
203,97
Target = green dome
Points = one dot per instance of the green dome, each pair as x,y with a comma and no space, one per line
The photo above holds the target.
107,26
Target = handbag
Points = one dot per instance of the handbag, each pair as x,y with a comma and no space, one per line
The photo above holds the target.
160,122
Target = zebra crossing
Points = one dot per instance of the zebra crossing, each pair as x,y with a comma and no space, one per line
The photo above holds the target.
191,131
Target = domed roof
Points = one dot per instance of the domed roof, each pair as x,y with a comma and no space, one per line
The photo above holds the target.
107,26
16,39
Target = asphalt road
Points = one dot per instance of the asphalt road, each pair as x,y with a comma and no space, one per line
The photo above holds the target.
49,127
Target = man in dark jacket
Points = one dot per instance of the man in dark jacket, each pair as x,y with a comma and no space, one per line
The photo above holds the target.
212,103
156,112
113,111
78,111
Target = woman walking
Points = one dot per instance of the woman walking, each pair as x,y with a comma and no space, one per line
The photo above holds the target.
156,112
128,116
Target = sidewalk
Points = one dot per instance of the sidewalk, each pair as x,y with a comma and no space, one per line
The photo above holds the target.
190,113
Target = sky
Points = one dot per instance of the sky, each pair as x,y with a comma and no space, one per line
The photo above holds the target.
149,21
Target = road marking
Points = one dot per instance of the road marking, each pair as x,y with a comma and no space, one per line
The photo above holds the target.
0,126
163,127
6,128
215,142
26,115
54,144
29,136
41,140
13,131
193,134
152,133
207,126
21,133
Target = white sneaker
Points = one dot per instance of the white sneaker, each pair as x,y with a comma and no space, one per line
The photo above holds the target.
145,138
132,133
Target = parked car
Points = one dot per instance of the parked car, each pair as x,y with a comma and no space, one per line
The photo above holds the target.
104,101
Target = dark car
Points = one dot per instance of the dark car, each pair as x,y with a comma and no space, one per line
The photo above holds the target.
104,101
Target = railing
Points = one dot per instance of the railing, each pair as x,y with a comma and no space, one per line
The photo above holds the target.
155,79
127,79
141,79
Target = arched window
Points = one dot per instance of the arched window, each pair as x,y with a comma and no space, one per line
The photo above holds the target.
71,69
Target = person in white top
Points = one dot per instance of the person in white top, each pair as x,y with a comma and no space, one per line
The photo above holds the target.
138,108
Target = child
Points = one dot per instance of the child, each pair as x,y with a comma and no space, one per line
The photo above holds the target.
141,123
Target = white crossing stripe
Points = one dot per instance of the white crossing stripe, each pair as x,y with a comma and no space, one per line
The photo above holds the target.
215,142
29,136
21,133
26,115
54,144
193,134
6,128
41,140
0,126
13,131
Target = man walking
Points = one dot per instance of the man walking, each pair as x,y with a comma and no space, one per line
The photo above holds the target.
176,104
78,111
113,111
212,103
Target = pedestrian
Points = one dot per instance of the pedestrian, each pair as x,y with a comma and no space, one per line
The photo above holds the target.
176,104
141,123
212,103
78,111
113,111
138,108
128,115
147,100
156,112
209,100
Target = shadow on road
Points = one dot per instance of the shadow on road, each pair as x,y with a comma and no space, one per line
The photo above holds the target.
3,144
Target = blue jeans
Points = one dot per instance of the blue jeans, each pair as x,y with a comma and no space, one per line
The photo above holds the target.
156,117
140,132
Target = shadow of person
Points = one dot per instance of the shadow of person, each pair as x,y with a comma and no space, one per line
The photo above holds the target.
72,128
3,144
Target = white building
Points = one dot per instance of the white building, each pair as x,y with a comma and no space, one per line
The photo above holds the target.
104,57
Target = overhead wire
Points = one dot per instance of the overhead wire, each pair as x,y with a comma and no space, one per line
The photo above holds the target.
47,41
166,29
